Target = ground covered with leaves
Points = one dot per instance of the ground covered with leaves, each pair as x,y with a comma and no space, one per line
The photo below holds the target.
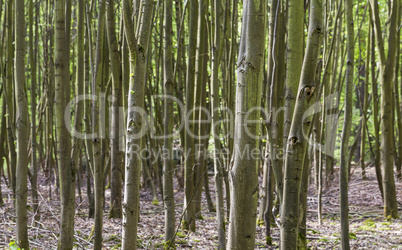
368,228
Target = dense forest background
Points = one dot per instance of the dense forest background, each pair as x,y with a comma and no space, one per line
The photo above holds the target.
228,124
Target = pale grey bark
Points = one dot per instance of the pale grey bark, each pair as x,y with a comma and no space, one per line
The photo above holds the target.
296,144
135,121
243,175
97,123
295,46
168,194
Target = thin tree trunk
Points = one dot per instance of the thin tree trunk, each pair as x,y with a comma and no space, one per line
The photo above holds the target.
22,127
243,175
3,141
386,78
268,211
3,103
320,166
271,105
302,231
365,105
347,124
62,88
97,125
374,90
397,105
79,90
116,154
207,191
296,144
168,169
34,167
9,96
201,66
189,150
215,104
87,115
135,120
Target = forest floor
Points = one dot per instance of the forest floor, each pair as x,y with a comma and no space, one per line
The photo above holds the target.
368,228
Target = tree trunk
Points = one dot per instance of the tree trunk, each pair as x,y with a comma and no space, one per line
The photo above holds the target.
268,211
302,228
135,120
365,105
271,105
62,95
386,78
201,66
34,166
97,125
347,124
215,104
189,150
243,175
374,90
296,144
3,141
9,97
294,62
397,106
87,115
168,169
22,127
116,154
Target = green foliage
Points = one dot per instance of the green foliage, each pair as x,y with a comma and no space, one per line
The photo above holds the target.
112,238
180,235
116,247
13,246
352,236
368,225
185,225
302,241
167,245
268,240
313,231
181,242
260,223
139,242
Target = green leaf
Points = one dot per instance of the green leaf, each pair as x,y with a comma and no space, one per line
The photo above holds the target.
13,246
